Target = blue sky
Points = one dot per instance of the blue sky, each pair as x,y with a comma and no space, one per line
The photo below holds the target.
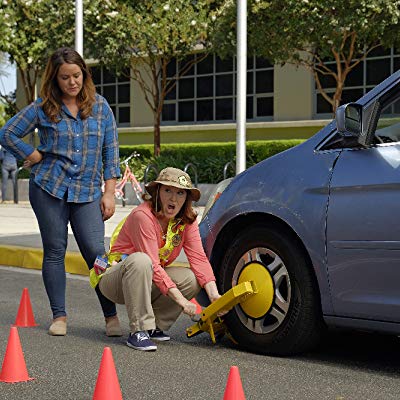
8,83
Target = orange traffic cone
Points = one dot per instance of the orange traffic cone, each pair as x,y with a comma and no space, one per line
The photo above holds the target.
199,309
14,367
234,388
107,385
25,316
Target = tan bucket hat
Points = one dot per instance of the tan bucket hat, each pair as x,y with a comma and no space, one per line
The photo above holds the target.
174,177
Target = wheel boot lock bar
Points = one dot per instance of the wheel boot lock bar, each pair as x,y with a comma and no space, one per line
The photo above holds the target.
209,321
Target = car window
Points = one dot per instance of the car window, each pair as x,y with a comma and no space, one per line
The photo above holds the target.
388,126
388,130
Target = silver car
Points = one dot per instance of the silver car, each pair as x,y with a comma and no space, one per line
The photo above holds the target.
317,228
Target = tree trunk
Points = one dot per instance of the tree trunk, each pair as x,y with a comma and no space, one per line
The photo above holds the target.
157,136
29,86
336,99
340,84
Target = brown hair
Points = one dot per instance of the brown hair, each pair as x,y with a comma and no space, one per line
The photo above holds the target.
186,213
51,93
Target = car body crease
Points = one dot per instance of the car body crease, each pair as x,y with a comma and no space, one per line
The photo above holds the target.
326,223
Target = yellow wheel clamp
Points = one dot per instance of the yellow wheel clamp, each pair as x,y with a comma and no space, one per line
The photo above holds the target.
210,322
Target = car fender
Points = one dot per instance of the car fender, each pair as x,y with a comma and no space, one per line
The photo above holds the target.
298,198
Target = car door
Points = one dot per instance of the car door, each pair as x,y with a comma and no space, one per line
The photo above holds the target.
363,230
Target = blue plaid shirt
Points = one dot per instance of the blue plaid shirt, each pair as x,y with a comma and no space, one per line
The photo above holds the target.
77,153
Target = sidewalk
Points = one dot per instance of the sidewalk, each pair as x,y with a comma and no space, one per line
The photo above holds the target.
21,245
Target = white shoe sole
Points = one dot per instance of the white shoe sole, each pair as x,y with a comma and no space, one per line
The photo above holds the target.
165,339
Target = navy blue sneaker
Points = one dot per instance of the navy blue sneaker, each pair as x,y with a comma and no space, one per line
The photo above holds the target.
140,340
158,334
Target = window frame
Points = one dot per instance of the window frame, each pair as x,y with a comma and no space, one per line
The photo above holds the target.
116,84
214,98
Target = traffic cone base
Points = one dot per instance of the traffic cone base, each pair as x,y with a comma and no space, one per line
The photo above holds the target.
107,385
25,318
234,388
14,368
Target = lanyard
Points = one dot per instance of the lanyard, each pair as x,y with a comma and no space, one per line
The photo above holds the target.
173,239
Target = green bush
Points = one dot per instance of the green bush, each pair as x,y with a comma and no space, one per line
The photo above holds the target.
23,173
209,159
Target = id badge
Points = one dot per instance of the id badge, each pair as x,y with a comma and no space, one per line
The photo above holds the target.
100,265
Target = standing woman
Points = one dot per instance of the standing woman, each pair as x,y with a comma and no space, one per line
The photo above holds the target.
78,146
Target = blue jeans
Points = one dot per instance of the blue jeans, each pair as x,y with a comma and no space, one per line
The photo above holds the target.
87,224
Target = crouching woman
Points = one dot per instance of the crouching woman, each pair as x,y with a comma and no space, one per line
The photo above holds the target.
150,239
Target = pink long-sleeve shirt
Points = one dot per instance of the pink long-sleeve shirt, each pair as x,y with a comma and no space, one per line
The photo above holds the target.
141,232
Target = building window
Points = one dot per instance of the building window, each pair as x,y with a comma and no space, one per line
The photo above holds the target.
379,64
116,90
207,92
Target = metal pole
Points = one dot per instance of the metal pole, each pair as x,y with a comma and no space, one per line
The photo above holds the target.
79,27
241,55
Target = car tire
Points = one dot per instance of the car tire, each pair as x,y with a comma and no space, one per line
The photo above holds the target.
293,322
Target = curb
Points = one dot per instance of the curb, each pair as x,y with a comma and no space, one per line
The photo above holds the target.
31,258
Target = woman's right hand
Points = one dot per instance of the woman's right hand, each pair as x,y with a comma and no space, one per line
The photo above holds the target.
33,158
188,307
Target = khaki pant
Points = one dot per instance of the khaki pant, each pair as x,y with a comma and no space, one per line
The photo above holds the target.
130,282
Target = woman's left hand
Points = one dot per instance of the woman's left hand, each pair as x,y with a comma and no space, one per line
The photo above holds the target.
222,312
107,205
213,294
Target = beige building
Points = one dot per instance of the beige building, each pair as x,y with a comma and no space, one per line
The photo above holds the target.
282,101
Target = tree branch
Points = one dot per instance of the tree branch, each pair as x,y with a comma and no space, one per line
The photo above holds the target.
321,89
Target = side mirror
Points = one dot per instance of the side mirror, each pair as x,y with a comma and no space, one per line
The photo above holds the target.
349,119
354,121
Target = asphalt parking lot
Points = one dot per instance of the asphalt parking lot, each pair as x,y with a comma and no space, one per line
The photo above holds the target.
347,366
